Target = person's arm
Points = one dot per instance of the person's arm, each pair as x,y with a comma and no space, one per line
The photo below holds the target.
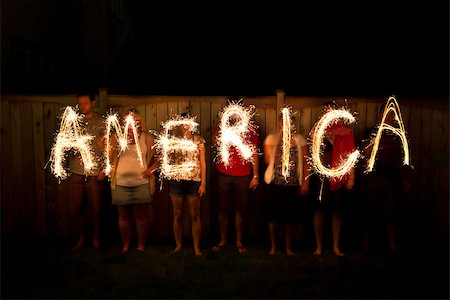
152,160
350,183
202,188
215,134
255,165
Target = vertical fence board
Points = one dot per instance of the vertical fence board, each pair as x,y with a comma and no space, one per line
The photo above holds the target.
7,189
63,195
39,163
17,167
305,121
49,132
27,155
205,132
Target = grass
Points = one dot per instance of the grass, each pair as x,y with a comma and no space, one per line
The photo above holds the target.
46,269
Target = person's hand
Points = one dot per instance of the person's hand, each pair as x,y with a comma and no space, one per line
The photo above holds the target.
304,189
101,175
406,186
254,183
350,183
148,172
201,190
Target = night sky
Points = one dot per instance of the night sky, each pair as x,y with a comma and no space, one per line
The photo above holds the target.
308,48
357,48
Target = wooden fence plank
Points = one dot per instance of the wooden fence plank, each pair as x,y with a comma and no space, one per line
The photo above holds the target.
162,206
437,119
27,154
150,117
63,195
7,189
49,134
305,122
424,164
205,132
17,167
39,172
371,115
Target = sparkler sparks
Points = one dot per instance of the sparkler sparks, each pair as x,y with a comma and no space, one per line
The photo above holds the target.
286,146
122,136
235,122
331,117
70,136
187,149
391,107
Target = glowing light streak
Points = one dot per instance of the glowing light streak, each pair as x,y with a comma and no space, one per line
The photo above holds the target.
233,133
391,107
112,122
69,137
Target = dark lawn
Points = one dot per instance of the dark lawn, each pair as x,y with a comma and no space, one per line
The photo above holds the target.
48,270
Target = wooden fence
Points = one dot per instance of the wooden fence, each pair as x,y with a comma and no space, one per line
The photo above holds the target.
34,204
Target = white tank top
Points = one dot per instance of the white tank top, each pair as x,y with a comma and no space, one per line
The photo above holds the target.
129,169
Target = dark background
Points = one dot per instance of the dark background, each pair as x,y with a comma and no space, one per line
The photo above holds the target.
317,48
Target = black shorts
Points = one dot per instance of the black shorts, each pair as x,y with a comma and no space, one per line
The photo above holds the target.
323,198
233,192
183,187
282,204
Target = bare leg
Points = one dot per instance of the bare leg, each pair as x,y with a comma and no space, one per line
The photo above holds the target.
288,237
177,203
239,230
194,209
273,238
79,221
124,226
391,237
95,193
141,216
366,240
336,227
318,229
223,226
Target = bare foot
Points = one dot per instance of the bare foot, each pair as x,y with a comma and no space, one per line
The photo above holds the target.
272,251
176,250
219,246
318,252
241,249
197,252
141,249
338,252
78,246
96,244
124,249
289,252
393,248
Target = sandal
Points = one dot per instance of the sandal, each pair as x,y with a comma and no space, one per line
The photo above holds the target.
217,248
241,249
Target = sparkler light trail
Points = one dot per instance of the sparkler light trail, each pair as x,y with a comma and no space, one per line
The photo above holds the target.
391,107
235,122
329,118
286,139
70,136
187,150
112,120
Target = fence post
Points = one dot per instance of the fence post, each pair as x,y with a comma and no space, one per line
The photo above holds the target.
280,102
102,100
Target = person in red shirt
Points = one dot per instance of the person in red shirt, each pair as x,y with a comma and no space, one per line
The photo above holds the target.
339,143
234,184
